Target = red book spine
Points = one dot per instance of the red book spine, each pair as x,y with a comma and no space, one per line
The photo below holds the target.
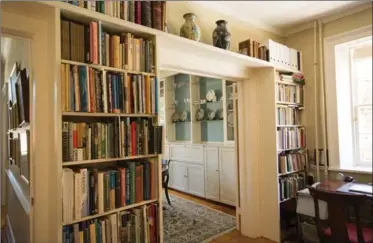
75,137
95,43
91,42
133,137
138,12
123,186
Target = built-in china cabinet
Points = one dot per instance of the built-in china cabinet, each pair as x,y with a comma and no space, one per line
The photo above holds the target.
199,119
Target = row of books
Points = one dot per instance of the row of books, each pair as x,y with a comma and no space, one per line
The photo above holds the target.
288,116
117,139
89,191
253,48
136,225
92,44
291,138
292,162
290,185
284,56
289,93
86,89
297,78
148,13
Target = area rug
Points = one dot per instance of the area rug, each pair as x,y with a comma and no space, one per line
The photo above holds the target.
189,222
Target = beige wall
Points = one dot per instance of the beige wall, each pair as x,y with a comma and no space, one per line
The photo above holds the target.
304,41
206,20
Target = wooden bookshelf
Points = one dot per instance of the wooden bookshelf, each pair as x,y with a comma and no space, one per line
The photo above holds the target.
113,115
111,160
101,114
105,68
111,211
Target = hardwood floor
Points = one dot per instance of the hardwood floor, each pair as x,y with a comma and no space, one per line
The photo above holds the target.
233,237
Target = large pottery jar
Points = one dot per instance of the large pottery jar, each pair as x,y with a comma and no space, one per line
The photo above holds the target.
221,36
190,29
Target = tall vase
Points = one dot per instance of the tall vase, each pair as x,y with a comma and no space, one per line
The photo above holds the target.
190,29
221,36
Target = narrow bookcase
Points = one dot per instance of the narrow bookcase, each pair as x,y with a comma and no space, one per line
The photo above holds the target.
292,159
110,140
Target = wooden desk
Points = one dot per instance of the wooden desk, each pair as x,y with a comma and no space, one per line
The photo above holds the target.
339,186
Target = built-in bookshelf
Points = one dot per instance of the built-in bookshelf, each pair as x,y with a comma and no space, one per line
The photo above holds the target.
147,13
292,157
290,134
110,137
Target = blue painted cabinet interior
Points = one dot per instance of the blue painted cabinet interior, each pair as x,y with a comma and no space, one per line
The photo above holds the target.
211,130
182,98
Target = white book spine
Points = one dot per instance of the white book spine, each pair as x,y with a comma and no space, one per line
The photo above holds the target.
85,189
77,195
114,228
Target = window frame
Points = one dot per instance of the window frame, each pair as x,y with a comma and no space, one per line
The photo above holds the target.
333,138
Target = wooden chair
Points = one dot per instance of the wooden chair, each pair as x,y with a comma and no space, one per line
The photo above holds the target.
337,228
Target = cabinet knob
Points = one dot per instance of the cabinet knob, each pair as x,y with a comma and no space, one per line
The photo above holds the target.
217,170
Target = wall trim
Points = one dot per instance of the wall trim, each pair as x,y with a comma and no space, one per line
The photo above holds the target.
329,44
327,19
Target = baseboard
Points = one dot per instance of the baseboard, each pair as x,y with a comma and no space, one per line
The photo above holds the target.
9,231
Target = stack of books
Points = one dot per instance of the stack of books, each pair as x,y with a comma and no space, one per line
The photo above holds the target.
89,191
86,89
289,186
148,13
93,44
99,140
292,162
136,225
291,138
289,93
288,116
252,48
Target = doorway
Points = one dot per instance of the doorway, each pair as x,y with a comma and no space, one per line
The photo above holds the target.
199,116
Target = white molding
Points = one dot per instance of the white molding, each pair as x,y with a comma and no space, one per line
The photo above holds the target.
327,19
330,87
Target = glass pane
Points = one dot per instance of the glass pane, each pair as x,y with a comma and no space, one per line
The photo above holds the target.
363,74
364,92
365,145
365,119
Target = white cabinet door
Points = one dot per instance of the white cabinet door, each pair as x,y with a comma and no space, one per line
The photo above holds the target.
166,152
228,186
178,176
187,153
212,173
196,179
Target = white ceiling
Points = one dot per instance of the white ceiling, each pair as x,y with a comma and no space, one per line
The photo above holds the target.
277,16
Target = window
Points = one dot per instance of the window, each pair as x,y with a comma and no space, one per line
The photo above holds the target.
348,84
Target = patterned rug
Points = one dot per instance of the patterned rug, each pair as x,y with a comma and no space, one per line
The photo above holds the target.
189,222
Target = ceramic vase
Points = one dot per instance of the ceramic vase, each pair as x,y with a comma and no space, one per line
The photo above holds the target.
190,29
221,36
